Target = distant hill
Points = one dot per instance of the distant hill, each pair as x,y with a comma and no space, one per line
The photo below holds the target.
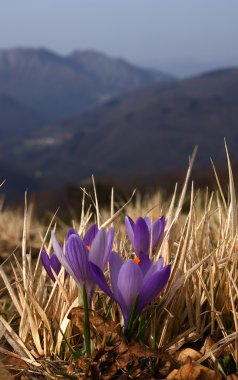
144,133
62,86
114,74
16,122
16,119
16,183
138,136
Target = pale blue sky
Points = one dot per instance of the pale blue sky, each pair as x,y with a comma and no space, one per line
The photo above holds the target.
165,33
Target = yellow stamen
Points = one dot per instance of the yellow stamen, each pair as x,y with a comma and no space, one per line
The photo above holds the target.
88,246
137,260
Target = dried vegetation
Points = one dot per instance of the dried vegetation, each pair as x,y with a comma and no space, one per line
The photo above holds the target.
190,331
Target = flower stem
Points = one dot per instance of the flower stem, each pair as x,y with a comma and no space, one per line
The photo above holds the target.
86,324
129,326
108,310
154,330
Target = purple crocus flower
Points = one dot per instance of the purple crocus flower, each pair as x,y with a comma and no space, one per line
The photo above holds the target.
78,252
50,263
90,235
140,233
128,280
53,262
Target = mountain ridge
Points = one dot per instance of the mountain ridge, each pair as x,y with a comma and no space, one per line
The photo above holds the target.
61,86
125,137
142,133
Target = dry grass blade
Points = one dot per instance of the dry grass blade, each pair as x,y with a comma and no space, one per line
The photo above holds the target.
1,184
24,235
41,313
112,218
184,189
25,359
11,291
219,186
63,325
15,341
233,206
96,202
219,345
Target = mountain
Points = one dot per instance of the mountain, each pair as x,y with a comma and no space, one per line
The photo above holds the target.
62,86
16,118
16,121
16,183
116,75
144,133
188,67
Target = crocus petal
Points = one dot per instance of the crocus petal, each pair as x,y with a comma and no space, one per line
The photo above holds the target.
141,237
129,283
46,263
130,227
145,263
157,231
153,286
154,268
76,254
90,235
98,249
100,279
54,263
148,222
60,255
115,265
110,238
70,232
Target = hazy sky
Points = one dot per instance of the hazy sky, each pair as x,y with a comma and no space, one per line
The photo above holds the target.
154,32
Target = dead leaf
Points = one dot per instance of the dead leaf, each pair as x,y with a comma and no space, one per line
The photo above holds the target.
172,374
194,371
120,346
82,363
16,363
70,369
124,361
100,325
95,374
4,374
183,355
109,372
141,350
209,342
164,368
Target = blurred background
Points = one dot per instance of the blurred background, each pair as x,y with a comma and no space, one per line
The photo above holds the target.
122,89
